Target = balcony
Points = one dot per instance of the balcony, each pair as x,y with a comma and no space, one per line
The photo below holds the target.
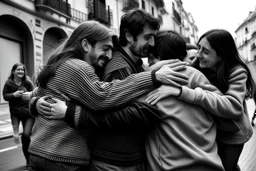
130,4
78,15
99,11
59,6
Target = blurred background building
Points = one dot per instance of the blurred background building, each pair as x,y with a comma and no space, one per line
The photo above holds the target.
246,41
31,28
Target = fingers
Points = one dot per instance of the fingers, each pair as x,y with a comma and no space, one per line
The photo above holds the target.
153,98
173,83
42,106
179,78
176,64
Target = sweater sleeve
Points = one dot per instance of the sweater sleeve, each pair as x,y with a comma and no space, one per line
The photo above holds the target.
134,116
97,95
7,92
229,105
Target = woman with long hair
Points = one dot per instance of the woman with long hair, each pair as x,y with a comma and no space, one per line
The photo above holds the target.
16,91
218,59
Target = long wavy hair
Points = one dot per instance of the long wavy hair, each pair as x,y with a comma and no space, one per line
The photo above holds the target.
71,47
134,22
24,78
224,45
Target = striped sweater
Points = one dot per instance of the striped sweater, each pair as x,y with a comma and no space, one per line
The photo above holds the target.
55,139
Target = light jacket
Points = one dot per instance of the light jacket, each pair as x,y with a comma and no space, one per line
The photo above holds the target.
185,139
233,108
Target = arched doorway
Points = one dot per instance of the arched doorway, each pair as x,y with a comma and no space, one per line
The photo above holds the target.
16,45
52,38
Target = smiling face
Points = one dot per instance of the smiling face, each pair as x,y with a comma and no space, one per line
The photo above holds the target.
207,56
19,72
100,54
143,43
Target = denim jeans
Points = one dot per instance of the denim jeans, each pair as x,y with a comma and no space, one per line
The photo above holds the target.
229,155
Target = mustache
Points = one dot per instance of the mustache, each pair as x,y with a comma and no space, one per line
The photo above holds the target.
104,58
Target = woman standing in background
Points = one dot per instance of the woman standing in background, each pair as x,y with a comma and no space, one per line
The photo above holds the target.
16,91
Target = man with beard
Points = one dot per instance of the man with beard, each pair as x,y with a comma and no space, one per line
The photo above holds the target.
70,71
117,149
123,149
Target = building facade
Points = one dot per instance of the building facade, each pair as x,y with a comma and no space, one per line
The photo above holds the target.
246,41
29,29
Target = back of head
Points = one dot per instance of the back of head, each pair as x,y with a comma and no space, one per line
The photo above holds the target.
134,21
169,45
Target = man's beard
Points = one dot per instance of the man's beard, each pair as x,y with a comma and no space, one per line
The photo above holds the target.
137,53
99,71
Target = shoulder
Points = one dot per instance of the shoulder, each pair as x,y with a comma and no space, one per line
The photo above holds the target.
8,82
76,65
116,63
237,71
192,72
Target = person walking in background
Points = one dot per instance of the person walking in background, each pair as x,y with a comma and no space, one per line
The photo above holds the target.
218,59
16,91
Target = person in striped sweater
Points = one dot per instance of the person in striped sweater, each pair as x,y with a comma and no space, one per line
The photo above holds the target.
70,71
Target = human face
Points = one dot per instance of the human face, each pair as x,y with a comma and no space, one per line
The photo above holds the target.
207,56
19,72
191,54
145,40
100,54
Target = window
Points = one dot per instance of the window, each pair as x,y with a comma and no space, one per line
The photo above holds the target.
143,4
153,11
246,30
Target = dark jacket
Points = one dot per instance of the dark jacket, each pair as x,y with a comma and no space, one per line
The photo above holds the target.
16,104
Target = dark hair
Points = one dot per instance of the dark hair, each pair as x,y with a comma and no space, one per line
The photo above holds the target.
134,22
224,45
93,31
190,46
14,67
169,45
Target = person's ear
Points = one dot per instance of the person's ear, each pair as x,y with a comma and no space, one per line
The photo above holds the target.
85,45
129,37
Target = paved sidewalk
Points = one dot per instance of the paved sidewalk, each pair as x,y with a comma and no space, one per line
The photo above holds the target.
247,161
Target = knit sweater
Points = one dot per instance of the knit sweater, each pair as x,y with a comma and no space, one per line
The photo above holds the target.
118,146
55,139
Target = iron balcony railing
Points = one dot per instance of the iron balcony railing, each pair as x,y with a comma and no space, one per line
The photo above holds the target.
55,5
